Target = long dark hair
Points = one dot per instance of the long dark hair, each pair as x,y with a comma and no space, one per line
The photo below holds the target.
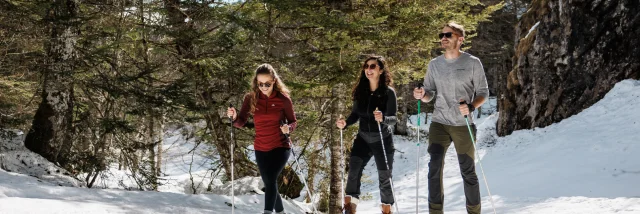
278,85
362,86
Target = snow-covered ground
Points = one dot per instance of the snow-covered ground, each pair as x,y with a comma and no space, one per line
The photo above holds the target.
183,159
23,194
15,157
34,185
588,163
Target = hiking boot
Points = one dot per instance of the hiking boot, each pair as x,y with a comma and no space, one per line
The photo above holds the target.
386,208
350,204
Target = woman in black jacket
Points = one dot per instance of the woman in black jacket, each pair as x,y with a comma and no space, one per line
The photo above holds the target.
372,91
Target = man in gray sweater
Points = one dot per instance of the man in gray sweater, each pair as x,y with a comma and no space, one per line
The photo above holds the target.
457,81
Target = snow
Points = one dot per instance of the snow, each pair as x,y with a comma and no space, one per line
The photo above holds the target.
24,194
184,158
587,163
17,158
29,191
532,28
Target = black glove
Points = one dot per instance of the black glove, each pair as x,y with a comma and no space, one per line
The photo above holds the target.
471,108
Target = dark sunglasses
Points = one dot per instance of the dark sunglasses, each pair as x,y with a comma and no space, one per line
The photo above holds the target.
264,85
447,34
369,66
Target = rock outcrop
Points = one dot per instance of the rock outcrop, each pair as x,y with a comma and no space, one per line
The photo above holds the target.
568,55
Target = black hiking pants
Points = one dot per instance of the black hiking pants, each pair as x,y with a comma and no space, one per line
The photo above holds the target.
364,147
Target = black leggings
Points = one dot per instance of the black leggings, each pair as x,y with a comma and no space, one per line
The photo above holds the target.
270,165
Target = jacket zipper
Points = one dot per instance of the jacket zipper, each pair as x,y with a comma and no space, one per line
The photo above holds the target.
368,110
266,105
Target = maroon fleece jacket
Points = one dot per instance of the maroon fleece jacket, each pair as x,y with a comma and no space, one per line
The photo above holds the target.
267,116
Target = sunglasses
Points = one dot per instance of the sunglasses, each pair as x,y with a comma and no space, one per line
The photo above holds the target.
369,66
264,85
447,34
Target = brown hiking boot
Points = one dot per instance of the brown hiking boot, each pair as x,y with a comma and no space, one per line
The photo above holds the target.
350,205
386,208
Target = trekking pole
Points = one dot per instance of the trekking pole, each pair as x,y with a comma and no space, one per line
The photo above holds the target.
233,199
295,159
420,85
342,168
384,151
478,158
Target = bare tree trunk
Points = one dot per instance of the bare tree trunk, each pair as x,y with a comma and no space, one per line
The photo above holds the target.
312,170
403,92
159,143
151,113
152,173
133,161
51,130
337,157
153,179
120,161
122,164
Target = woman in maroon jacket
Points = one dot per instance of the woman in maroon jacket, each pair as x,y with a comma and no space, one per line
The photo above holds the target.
270,105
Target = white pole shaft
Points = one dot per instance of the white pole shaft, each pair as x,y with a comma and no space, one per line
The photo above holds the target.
480,163
384,151
342,170
418,164
304,181
233,198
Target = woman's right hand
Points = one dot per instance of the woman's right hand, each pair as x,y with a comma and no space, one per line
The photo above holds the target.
231,112
340,123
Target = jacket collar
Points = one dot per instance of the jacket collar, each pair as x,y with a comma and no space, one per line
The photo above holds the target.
273,94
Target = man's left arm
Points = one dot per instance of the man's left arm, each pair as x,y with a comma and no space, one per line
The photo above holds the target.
480,88
480,85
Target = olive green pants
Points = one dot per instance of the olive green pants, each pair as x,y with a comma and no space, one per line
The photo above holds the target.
440,138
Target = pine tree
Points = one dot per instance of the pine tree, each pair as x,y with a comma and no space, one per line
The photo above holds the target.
51,132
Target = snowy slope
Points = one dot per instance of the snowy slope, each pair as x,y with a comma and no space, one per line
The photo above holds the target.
24,194
587,163
183,159
34,185
15,157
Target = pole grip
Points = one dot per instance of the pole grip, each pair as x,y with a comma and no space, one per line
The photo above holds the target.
464,102
282,123
231,118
